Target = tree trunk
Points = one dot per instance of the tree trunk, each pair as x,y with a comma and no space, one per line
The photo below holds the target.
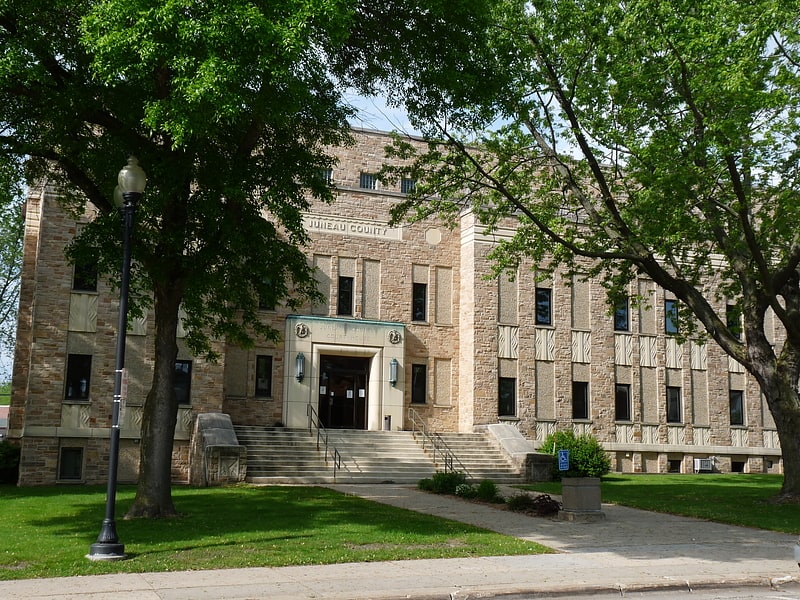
160,414
784,404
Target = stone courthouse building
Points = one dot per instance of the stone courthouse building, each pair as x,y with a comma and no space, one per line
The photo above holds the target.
411,321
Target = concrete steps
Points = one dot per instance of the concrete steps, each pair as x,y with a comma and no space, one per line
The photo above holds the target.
481,458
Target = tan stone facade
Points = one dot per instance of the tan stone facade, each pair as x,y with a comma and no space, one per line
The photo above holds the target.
469,351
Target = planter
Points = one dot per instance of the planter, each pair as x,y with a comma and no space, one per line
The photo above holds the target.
580,499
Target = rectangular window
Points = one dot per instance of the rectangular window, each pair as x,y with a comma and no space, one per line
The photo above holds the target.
674,405
70,464
737,407
84,278
407,185
79,376
622,315
419,384
263,376
544,306
671,316
622,402
507,397
326,175
419,302
344,304
733,317
368,181
580,400
183,381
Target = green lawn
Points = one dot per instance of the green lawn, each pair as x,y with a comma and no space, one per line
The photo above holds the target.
47,532
739,499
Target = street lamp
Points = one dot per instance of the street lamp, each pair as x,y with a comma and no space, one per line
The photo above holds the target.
131,180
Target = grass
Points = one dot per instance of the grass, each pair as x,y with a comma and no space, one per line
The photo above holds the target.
738,499
5,393
47,531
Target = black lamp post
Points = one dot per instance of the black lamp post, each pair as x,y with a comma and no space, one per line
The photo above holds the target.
132,180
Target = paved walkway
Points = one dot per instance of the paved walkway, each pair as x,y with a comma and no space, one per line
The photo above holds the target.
630,550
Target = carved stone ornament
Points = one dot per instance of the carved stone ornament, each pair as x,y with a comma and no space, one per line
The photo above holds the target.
301,330
394,336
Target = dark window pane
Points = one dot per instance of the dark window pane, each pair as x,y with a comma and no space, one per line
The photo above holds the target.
544,307
419,302
345,300
419,376
622,402
407,185
263,376
70,464
671,316
733,316
737,407
85,277
674,405
580,400
622,315
507,397
183,381
79,375
368,181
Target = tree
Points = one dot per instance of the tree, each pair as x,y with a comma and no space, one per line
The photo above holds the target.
11,232
229,108
648,137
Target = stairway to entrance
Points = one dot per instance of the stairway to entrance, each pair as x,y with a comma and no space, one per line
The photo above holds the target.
281,455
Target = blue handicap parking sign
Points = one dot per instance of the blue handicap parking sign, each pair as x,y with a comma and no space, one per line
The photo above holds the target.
563,460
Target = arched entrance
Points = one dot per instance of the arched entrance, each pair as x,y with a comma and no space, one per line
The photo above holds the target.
343,391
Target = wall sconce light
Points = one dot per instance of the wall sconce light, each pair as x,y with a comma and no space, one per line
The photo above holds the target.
393,372
300,366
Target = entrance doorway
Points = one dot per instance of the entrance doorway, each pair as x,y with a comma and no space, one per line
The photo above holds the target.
343,391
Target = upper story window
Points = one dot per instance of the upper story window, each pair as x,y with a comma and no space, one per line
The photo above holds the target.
622,315
733,318
737,407
344,305
674,405
79,375
183,381
419,302
580,400
326,175
671,316
622,402
84,278
368,181
544,306
407,185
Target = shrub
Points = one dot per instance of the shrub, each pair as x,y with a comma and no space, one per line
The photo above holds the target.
542,505
487,490
586,456
426,485
465,490
446,483
9,462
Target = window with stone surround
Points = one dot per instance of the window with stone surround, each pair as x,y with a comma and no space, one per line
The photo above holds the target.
419,384
736,407
368,181
733,318
419,302
344,304
622,402
84,276
79,376
622,313
671,317
674,405
507,397
580,400
70,464
183,381
407,185
544,306
263,376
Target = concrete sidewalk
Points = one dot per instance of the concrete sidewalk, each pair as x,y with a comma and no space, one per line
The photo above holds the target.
631,550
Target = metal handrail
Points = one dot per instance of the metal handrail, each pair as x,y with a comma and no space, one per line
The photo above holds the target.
449,457
322,435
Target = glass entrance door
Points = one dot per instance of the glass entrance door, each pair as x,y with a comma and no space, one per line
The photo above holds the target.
343,392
